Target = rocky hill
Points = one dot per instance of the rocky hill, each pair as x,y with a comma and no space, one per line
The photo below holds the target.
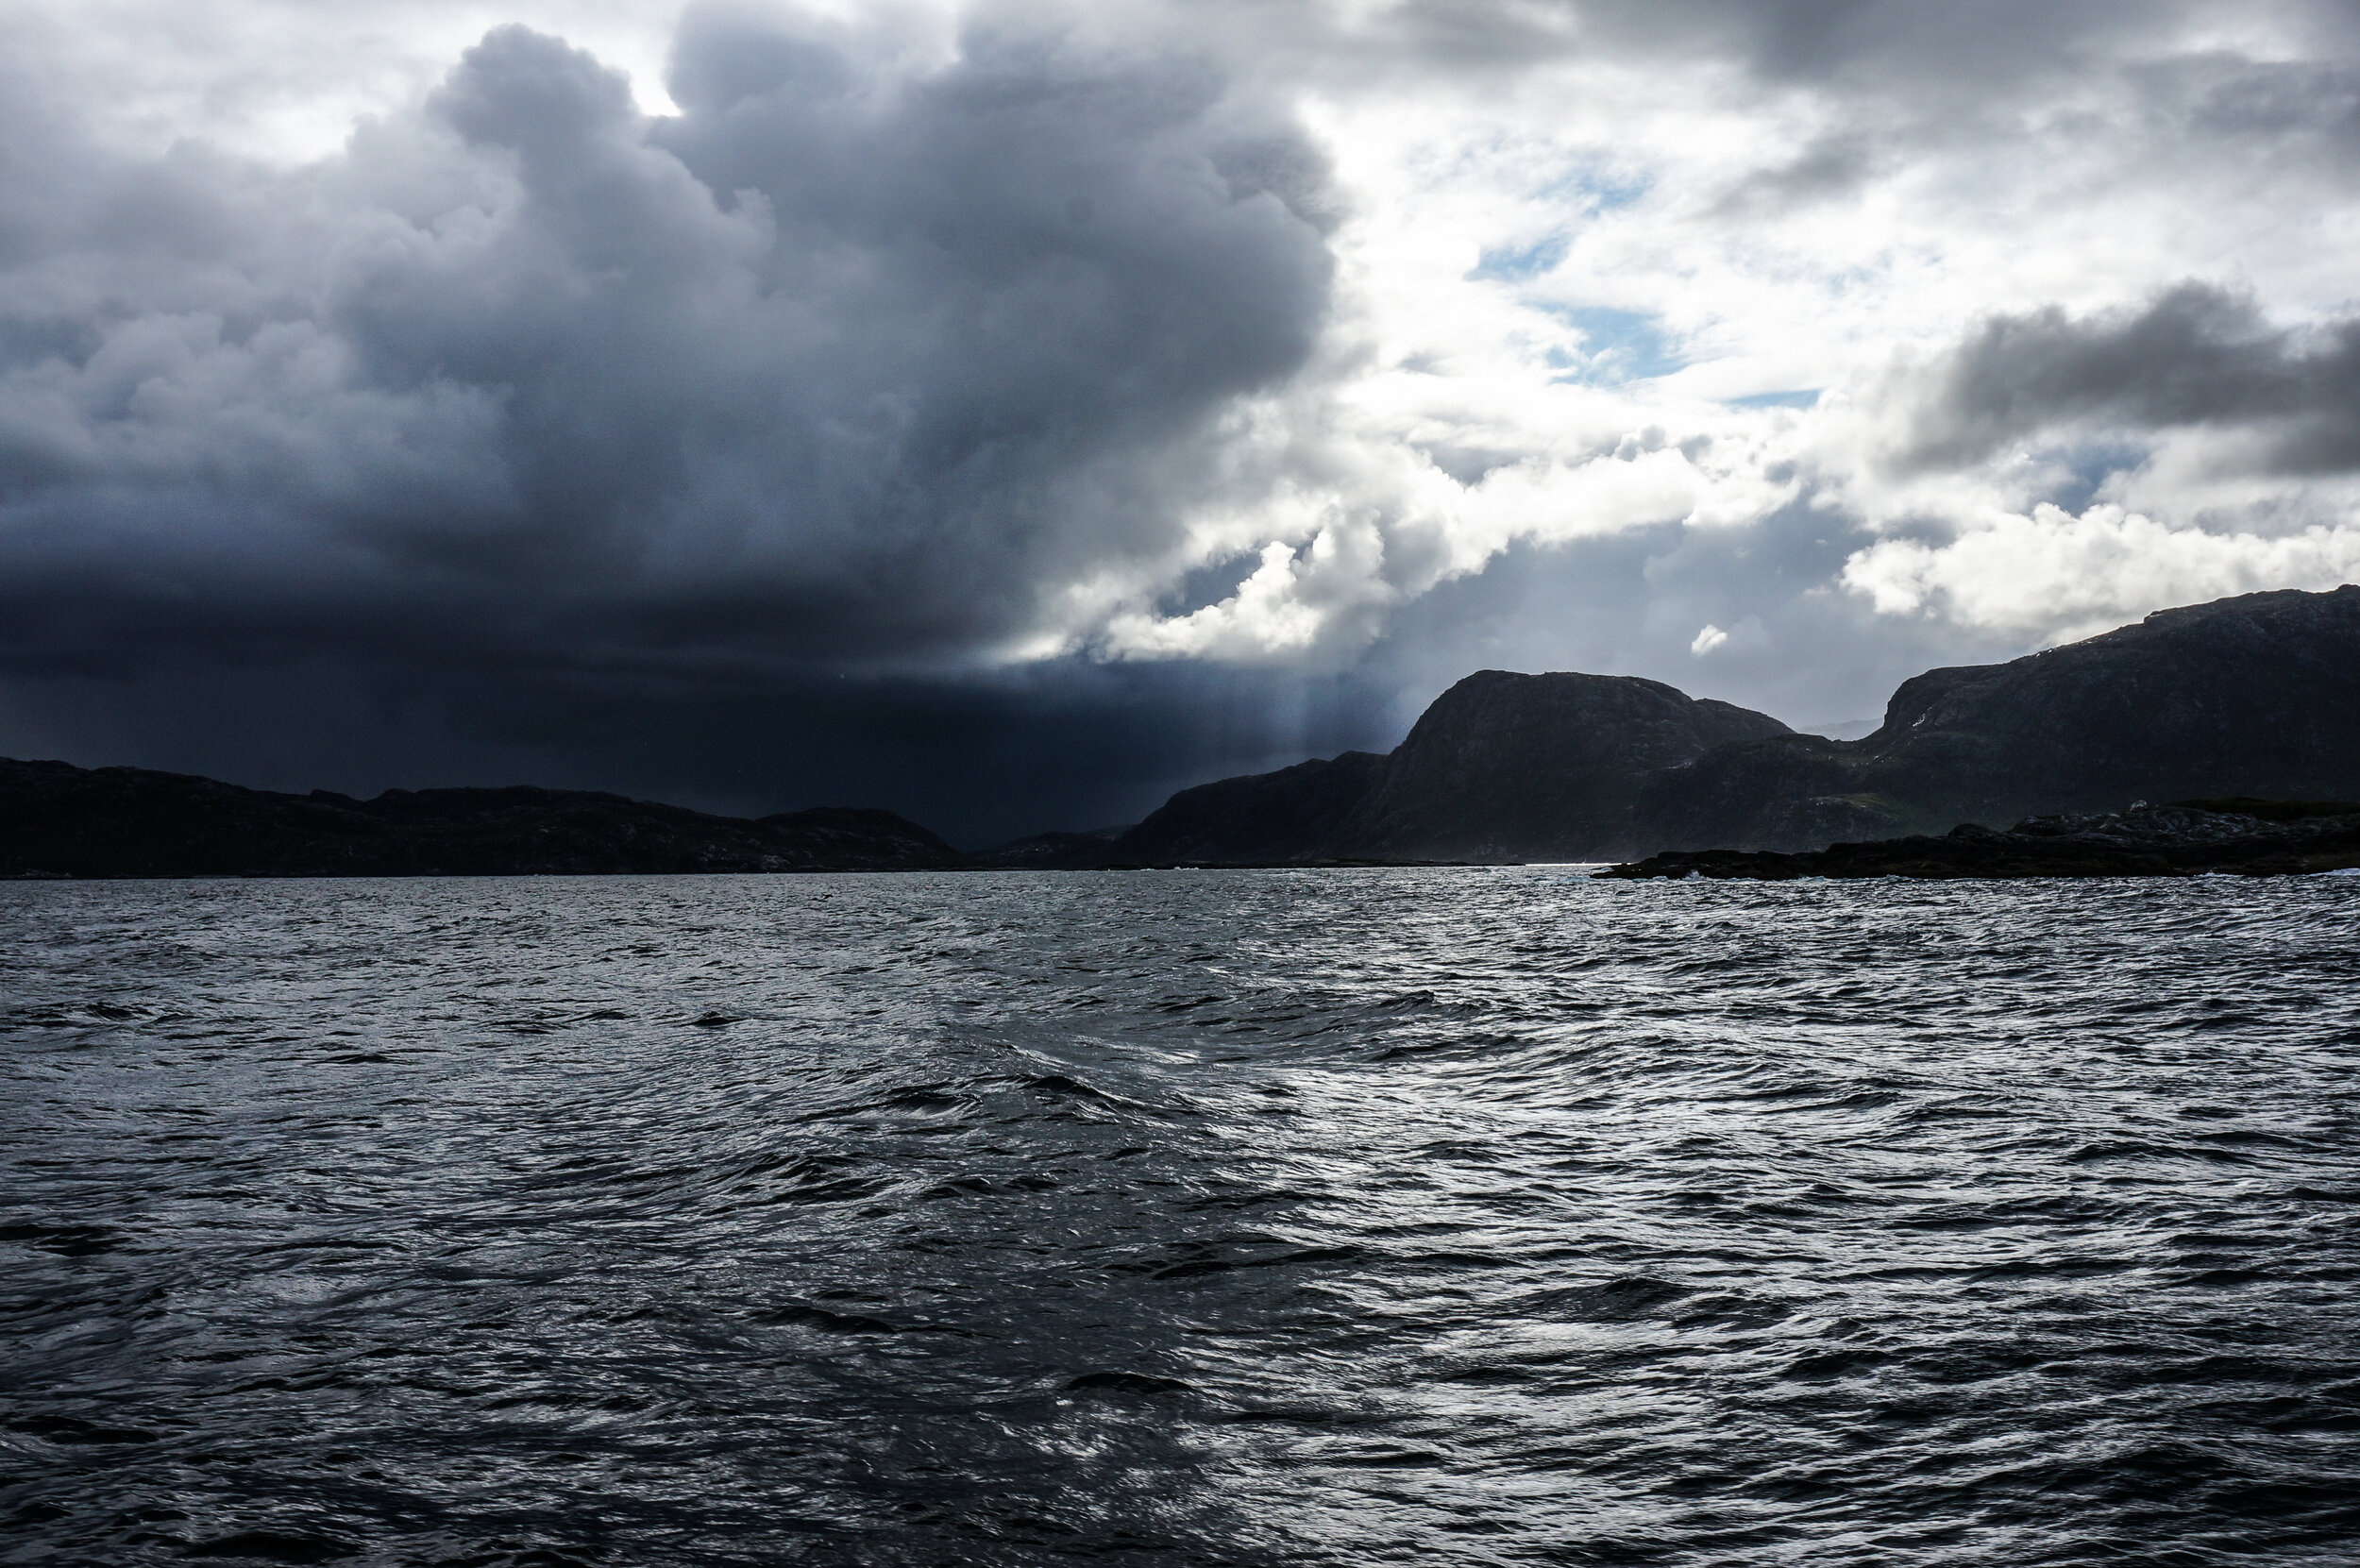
1536,767
59,821
1500,767
2256,696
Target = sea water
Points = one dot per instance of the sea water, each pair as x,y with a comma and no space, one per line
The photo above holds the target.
1351,1216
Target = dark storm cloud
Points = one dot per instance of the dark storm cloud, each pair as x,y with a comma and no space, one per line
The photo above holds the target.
1898,44
1880,46
2197,355
1826,170
2288,107
850,363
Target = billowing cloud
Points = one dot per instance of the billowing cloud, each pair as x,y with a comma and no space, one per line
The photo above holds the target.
847,363
897,376
2029,574
2198,356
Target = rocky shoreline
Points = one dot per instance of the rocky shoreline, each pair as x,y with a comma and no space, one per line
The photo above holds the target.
2237,836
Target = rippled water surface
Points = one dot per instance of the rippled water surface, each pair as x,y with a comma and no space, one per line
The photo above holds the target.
1354,1216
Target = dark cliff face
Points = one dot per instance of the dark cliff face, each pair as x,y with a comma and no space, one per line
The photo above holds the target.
60,819
2255,696
1501,766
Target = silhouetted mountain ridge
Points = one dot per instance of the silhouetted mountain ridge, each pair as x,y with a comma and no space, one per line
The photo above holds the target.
2256,696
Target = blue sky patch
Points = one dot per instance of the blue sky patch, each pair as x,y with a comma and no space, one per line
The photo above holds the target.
1510,264
1801,400
2087,467
1619,345
1597,192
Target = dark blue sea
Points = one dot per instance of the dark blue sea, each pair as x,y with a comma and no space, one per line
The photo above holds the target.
1361,1217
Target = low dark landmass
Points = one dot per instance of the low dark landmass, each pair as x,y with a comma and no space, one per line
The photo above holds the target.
2244,837
1315,864
1083,850
2257,696
1261,820
56,819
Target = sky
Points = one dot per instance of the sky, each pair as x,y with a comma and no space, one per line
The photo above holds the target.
1009,413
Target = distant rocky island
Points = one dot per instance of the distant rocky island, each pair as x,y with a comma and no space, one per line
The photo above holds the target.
59,821
2256,697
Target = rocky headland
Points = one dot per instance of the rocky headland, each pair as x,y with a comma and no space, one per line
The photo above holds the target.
56,819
